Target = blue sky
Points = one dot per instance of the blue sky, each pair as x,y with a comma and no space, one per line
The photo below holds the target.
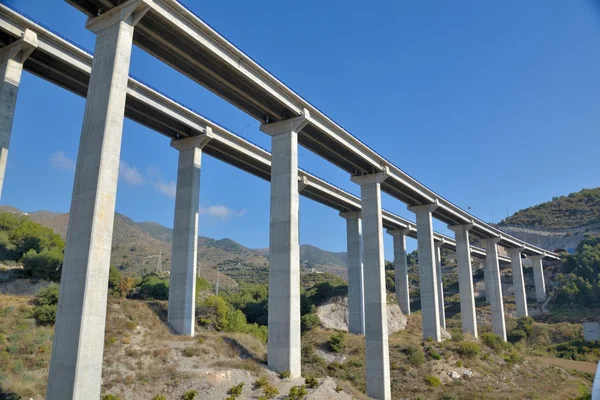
493,105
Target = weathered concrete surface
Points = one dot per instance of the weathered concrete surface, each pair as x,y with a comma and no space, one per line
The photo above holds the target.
184,253
283,347
465,279
516,266
376,329
401,269
440,283
356,302
493,286
538,278
427,267
76,362
12,58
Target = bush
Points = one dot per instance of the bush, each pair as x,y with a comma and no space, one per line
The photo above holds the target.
433,380
309,321
311,382
236,390
43,265
159,397
416,356
154,288
285,374
336,342
270,392
468,349
110,397
190,395
513,357
516,335
45,315
434,354
494,342
261,382
297,392
47,295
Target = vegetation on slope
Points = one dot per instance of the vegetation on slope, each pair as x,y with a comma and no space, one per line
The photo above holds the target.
575,210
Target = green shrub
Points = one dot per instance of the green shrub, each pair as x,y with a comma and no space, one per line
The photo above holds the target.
309,321
45,315
416,356
285,374
190,395
236,390
338,388
47,295
336,342
261,382
468,349
153,287
270,392
494,342
434,354
297,392
457,335
159,397
202,284
311,382
44,264
513,357
459,363
110,397
516,335
433,380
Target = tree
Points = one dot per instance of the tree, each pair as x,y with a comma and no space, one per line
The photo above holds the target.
43,265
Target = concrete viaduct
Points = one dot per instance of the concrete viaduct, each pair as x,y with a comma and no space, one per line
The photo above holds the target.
169,31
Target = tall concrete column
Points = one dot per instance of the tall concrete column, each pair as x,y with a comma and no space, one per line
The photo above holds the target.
76,362
184,253
518,281
401,269
538,278
493,286
12,58
376,327
465,278
440,283
427,269
283,346
356,301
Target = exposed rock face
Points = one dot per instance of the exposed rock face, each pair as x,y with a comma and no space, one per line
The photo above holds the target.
334,315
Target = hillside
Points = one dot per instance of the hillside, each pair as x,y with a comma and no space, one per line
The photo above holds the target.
137,246
580,209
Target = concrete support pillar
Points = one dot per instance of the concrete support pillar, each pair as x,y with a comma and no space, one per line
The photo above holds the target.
184,253
12,58
376,327
401,269
76,362
465,278
538,278
283,346
518,281
356,301
440,283
493,286
428,273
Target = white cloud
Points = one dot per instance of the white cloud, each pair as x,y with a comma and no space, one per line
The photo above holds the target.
221,212
167,188
60,161
130,174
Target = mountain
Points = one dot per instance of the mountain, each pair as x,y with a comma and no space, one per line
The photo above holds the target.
558,224
137,246
577,210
